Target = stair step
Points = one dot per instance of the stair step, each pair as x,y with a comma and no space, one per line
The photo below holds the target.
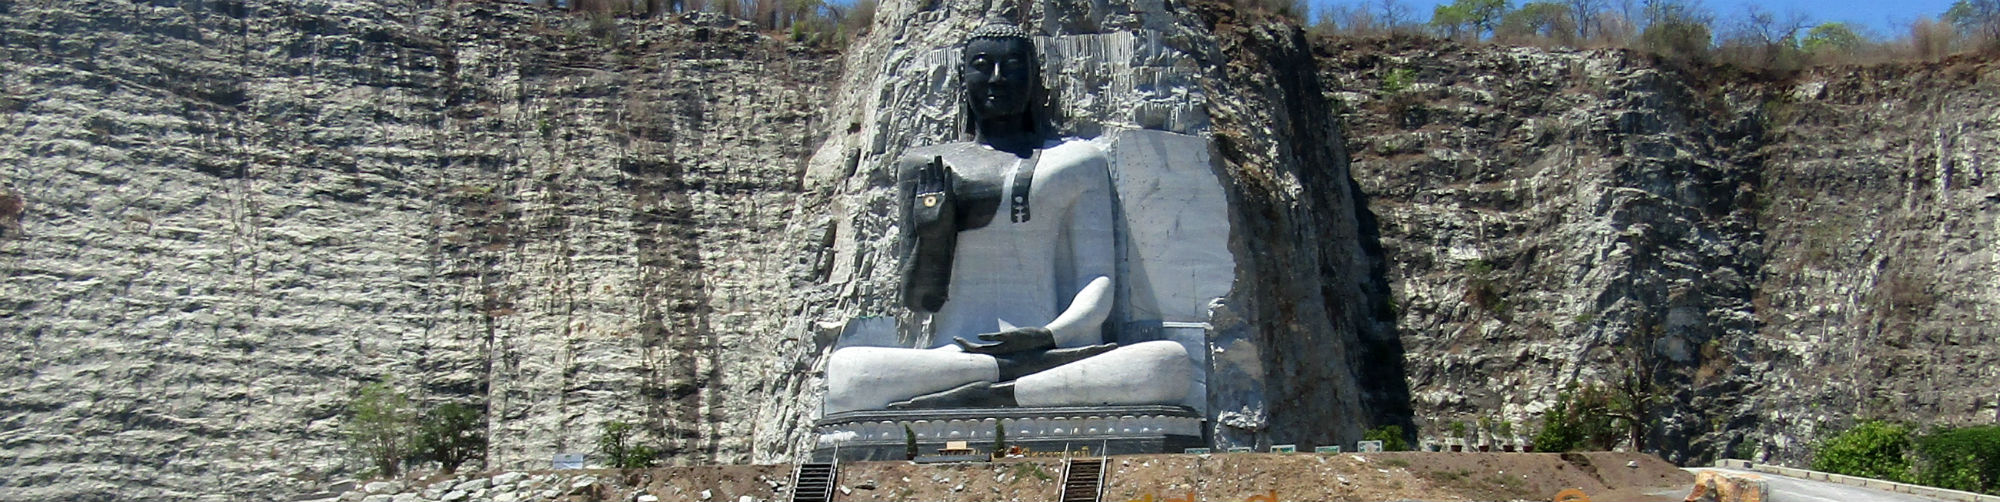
813,482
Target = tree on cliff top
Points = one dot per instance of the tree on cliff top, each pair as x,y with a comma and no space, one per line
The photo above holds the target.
1544,20
1468,18
1979,19
1677,29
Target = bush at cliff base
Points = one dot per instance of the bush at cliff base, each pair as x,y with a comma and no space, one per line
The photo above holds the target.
1961,459
1871,449
1965,459
380,421
1391,437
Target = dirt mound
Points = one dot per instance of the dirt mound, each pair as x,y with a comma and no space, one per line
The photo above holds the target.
1392,476
1162,478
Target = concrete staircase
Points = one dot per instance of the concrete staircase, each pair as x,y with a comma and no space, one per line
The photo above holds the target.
1083,479
813,482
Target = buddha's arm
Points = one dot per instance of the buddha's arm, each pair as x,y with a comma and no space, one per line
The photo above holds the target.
1082,323
1091,254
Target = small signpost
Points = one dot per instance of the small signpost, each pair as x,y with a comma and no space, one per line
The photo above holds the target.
564,461
1367,446
1240,449
1284,448
1195,451
1327,449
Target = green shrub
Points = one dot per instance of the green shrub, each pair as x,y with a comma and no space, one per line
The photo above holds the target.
1391,437
1582,418
1965,459
1398,80
1000,437
616,444
1872,449
380,422
450,435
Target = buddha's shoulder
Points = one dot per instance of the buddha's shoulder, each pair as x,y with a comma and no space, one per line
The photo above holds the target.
1075,150
946,150
1074,156
1058,155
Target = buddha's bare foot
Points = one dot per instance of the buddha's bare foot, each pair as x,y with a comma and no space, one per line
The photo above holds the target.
972,395
1013,366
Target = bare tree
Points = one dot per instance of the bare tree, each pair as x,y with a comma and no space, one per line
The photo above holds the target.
1346,18
1761,38
1584,14
1392,15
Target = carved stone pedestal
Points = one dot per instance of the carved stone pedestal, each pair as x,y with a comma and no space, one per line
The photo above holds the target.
1084,430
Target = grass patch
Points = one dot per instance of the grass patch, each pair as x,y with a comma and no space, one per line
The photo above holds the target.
1029,469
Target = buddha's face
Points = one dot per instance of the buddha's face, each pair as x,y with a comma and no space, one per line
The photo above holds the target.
999,74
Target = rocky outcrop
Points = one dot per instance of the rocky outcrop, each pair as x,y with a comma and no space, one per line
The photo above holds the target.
1549,216
1881,226
1777,256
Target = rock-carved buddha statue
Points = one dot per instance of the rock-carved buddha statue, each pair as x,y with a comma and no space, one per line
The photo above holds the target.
1008,241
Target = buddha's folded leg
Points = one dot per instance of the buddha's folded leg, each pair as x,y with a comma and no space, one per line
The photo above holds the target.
869,378
1157,372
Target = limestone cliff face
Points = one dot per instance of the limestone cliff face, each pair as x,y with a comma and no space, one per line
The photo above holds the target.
219,218
1881,217
1778,256
235,213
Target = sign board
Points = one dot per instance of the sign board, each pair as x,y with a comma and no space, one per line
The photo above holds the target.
1195,451
1367,446
1240,449
1327,449
568,461
1284,448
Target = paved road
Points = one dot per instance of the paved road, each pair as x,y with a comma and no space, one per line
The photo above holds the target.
1789,489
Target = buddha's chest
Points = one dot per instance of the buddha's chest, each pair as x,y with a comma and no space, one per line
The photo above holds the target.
994,187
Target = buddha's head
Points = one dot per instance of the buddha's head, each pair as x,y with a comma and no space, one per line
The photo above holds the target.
1002,79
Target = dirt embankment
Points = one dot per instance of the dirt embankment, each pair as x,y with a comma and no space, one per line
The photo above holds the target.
1148,478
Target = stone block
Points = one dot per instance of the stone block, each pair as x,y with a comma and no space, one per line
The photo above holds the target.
1724,486
1115,430
1174,226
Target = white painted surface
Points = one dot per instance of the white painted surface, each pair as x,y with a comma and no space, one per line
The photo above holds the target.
1059,269
869,378
1027,273
1145,373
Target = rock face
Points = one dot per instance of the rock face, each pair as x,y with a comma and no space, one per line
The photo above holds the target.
217,219
236,213
1776,256
221,218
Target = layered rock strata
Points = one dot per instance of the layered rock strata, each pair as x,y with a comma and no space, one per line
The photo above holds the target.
1776,257
235,213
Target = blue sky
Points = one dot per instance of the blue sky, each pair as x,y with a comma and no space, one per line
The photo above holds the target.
1886,18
